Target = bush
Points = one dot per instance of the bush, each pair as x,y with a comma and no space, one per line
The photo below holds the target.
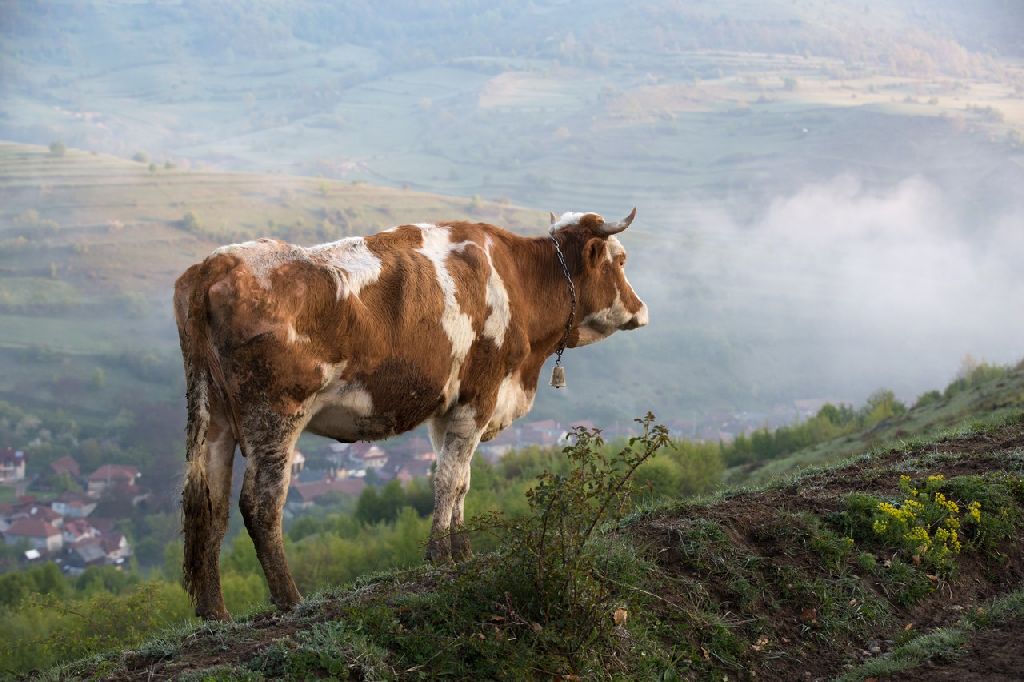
936,518
57,148
551,566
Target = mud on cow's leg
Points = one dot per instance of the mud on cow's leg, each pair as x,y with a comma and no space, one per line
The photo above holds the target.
264,490
461,548
208,491
451,482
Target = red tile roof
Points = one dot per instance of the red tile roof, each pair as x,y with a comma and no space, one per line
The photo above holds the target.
114,472
31,528
347,486
44,513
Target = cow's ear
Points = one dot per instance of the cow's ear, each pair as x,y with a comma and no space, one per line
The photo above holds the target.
593,251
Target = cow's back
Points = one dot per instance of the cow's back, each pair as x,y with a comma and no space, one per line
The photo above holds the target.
367,336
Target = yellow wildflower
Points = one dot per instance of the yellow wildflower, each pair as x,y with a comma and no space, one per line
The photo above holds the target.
949,505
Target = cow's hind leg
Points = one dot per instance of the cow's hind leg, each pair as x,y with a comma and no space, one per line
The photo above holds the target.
264,489
206,503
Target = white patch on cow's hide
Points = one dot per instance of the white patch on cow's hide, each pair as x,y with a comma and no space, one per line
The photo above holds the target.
457,325
512,403
496,297
601,324
352,264
569,218
614,249
339,411
261,256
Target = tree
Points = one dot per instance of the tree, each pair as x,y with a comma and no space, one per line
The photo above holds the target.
57,148
190,222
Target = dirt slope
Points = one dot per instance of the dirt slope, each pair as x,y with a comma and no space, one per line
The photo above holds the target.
775,584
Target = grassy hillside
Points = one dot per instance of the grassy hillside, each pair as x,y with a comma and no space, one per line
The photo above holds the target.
987,391
909,557
90,244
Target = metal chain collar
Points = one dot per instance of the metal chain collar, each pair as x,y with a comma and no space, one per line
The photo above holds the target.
572,295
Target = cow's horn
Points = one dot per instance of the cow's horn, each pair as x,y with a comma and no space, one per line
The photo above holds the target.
554,218
615,228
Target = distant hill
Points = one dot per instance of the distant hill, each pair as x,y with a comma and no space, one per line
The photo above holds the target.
713,118
90,246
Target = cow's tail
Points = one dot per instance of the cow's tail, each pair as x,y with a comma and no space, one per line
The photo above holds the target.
202,369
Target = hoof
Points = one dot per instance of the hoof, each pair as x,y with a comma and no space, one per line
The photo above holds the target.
439,552
461,549
288,602
221,615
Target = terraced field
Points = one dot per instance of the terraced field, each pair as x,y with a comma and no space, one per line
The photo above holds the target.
90,246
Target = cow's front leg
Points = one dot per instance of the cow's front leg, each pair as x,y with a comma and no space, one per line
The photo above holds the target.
451,483
461,549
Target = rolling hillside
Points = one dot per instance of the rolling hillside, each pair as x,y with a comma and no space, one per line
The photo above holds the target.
798,580
90,246
985,393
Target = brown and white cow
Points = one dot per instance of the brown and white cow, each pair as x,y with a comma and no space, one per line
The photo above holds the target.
365,338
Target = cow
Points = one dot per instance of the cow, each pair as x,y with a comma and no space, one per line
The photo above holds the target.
364,338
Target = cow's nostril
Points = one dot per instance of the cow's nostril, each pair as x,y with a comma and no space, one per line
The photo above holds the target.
640,319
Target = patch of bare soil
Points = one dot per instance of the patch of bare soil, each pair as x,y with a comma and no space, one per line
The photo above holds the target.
992,655
797,646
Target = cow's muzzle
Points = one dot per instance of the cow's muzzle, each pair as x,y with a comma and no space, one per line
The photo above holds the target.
638,320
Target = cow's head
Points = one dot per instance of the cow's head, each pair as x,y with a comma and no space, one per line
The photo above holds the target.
597,260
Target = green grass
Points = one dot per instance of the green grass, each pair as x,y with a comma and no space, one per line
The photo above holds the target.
762,581
975,408
944,643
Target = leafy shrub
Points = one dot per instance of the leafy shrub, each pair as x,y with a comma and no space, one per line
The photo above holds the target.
936,519
552,565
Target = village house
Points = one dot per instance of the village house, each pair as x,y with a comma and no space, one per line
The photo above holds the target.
545,432
85,553
43,513
73,505
500,445
367,456
298,462
38,534
116,547
76,530
302,496
110,475
12,465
